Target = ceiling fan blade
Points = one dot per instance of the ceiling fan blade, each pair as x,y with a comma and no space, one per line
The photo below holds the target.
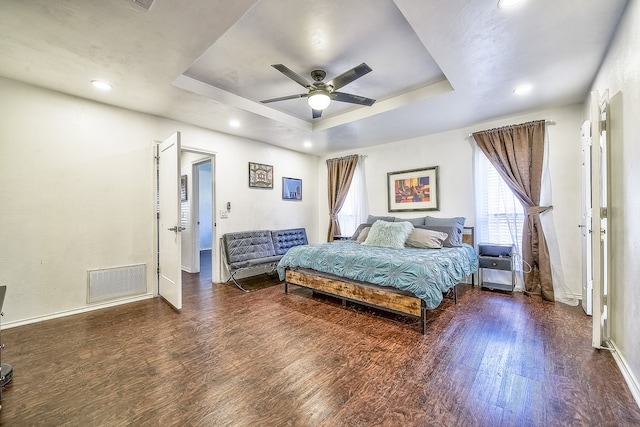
284,98
349,76
353,99
316,113
292,75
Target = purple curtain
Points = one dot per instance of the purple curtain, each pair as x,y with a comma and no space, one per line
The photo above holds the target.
517,153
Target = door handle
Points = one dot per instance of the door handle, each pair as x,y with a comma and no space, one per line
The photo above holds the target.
175,229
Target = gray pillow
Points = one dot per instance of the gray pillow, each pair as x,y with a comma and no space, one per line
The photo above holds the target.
372,218
414,221
456,221
386,234
454,236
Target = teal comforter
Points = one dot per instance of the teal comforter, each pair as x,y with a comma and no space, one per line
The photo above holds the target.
426,273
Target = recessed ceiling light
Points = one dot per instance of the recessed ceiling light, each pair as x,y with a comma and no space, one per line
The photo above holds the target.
523,89
508,3
101,84
234,123
308,144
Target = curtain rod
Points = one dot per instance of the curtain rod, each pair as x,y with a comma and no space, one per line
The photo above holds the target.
359,155
548,122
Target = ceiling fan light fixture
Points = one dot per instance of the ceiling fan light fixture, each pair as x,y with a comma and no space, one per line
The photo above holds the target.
319,100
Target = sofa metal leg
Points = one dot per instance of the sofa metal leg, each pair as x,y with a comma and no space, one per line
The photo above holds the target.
231,277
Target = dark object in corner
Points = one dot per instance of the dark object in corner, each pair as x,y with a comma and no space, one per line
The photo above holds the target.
6,370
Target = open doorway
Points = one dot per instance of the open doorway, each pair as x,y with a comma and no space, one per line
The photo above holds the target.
203,222
197,208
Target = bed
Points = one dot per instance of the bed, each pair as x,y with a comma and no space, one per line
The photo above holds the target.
407,281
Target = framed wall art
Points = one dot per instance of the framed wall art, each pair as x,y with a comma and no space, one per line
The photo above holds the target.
291,188
260,176
183,188
413,190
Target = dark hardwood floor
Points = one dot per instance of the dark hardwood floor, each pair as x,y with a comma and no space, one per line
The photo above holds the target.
269,359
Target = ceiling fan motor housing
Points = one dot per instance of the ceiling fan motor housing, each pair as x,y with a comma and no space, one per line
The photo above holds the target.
318,75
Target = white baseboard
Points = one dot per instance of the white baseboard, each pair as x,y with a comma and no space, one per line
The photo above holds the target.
631,380
37,319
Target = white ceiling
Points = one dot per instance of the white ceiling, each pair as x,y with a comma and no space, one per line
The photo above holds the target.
437,65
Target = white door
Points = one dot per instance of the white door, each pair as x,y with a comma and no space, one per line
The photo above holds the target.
169,242
586,227
600,238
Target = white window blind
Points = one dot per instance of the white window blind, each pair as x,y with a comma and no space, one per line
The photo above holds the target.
500,214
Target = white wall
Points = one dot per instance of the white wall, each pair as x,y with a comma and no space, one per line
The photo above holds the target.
620,75
453,152
257,208
77,193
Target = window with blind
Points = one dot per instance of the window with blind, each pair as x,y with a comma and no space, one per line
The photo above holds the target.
500,214
355,209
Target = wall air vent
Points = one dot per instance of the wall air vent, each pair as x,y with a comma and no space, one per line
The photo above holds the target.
112,284
145,4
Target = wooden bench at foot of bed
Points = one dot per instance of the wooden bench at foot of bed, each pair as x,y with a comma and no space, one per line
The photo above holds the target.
382,297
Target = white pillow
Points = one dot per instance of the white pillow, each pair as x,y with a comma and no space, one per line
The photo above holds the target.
388,234
426,239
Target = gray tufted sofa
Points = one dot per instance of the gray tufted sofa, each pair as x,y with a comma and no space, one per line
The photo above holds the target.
258,248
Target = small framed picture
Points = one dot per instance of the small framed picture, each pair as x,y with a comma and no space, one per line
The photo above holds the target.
260,176
291,189
413,190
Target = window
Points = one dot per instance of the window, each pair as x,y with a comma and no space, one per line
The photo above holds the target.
500,215
355,208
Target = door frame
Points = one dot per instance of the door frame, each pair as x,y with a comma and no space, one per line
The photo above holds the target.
600,225
206,156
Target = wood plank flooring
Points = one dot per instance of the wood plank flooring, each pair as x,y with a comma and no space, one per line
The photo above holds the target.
266,358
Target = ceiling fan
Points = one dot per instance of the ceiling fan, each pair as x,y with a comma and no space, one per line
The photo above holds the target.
320,93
